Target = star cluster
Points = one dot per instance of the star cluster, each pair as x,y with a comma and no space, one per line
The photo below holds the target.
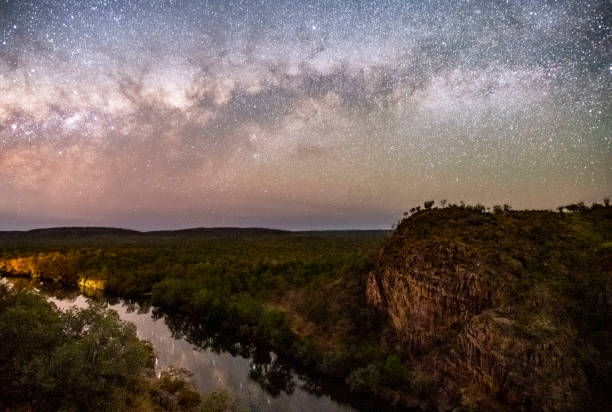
298,114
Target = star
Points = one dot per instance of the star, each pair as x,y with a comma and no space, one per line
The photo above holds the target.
310,112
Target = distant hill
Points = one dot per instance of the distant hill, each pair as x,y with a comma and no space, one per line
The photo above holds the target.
110,233
65,233
80,231
219,231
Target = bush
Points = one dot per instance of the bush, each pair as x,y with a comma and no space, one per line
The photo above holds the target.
173,392
80,360
219,401
364,379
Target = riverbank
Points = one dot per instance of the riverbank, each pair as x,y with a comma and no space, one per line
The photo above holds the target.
256,379
85,359
262,293
422,319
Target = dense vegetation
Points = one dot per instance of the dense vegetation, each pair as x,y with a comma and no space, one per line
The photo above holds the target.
303,294
299,294
83,360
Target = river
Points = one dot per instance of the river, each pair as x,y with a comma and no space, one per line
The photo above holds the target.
260,383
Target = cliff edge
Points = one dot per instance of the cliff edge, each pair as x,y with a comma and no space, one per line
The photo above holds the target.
506,310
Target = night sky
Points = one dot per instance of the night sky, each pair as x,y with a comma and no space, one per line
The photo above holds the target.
297,114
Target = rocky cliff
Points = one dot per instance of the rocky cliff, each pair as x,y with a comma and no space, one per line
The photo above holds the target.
498,308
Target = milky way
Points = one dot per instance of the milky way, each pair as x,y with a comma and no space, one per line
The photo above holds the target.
299,114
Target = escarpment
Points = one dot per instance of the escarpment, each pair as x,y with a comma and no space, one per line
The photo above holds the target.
488,306
428,291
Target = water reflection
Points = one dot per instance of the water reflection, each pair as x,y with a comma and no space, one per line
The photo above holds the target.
258,379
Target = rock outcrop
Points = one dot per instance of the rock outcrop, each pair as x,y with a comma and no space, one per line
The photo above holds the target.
465,307
428,293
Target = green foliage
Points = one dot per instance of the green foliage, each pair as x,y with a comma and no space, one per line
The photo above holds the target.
395,371
303,294
365,379
317,310
241,285
85,360
391,373
78,360
252,288
220,401
173,392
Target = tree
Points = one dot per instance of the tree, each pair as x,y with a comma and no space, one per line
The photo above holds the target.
174,392
219,401
607,201
572,208
443,203
428,204
83,359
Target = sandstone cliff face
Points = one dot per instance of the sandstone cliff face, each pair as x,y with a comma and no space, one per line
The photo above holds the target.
428,292
445,314
455,315
525,372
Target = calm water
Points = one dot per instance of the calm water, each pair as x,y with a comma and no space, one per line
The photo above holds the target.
260,385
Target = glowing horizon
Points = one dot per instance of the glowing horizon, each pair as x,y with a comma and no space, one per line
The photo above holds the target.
297,115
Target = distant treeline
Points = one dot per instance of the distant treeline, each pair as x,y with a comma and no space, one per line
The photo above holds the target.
303,295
